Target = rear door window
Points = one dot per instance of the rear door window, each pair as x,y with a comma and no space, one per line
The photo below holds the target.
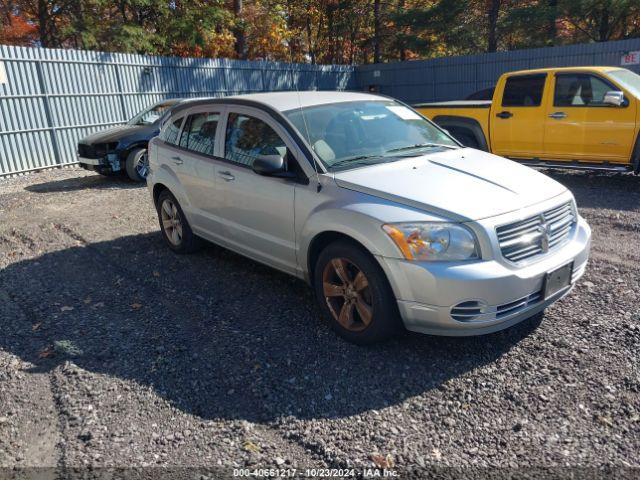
199,133
524,91
170,133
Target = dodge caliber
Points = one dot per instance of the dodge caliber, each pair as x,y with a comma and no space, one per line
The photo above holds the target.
390,220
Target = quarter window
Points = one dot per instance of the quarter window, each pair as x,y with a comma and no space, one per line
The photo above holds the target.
199,133
247,137
170,133
523,91
579,90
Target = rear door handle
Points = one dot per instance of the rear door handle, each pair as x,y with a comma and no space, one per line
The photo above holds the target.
226,176
558,115
177,160
504,114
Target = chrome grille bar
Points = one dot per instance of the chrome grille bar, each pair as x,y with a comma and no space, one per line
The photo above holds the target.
537,234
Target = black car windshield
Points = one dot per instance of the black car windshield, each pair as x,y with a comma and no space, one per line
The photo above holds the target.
150,115
349,134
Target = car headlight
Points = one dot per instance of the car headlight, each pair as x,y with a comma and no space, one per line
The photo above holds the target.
433,241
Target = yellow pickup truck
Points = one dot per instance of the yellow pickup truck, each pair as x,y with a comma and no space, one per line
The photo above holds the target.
577,117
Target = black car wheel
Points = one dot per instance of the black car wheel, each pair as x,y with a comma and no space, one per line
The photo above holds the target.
137,165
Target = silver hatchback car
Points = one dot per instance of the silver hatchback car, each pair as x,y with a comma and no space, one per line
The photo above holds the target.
389,219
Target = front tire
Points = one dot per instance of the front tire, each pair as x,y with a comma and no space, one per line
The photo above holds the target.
467,139
354,294
137,165
174,225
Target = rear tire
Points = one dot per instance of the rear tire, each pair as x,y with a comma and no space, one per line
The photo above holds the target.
137,165
174,225
354,294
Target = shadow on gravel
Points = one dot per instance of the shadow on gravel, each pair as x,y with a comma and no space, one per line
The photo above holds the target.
216,334
93,182
601,189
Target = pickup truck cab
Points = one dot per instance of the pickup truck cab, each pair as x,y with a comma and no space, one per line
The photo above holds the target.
577,117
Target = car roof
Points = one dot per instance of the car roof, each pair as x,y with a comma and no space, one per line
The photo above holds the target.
290,100
599,69
170,101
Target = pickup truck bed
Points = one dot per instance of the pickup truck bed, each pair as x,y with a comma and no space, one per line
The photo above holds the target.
456,104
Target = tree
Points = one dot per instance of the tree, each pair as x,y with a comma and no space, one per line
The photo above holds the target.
602,20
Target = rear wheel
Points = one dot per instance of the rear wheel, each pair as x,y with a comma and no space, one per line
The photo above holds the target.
137,165
353,292
174,225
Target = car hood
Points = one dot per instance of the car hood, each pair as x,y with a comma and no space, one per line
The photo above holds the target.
462,184
114,134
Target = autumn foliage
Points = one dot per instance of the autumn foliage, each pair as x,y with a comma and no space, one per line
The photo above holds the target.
316,31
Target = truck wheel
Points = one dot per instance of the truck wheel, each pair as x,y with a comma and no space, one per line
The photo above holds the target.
137,165
354,294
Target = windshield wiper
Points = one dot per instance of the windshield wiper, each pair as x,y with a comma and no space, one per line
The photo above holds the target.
421,145
359,160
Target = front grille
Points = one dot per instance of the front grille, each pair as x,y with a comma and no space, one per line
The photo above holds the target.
538,234
467,311
478,311
518,305
86,151
98,150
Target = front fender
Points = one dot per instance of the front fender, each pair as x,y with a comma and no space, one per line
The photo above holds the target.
364,229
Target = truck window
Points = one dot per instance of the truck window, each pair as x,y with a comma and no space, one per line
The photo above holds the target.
580,90
524,91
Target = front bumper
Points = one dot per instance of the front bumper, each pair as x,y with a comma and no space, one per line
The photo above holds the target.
427,291
110,162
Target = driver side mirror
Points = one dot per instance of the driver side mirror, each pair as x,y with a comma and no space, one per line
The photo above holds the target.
613,98
268,165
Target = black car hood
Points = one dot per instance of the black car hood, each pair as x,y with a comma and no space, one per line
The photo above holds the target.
116,134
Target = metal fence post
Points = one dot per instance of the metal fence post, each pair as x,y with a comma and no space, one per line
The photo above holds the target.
123,105
47,113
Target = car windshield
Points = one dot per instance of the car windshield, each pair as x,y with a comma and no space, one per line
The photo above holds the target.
150,115
628,80
349,134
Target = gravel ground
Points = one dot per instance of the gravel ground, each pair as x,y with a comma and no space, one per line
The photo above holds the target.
114,352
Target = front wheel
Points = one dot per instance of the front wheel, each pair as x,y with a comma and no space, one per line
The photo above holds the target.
353,292
137,165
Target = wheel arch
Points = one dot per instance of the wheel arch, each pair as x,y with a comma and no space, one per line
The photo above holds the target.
124,154
323,240
163,178
635,156
469,124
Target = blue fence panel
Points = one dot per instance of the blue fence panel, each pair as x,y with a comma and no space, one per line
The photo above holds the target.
52,97
454,78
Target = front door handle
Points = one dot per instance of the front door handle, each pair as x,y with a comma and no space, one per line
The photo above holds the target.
558,115
177,160
504,114
226,176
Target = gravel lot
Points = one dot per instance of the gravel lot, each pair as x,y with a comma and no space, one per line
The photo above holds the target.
114,352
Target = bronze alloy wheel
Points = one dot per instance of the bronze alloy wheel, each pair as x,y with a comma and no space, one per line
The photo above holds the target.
347,293
171,222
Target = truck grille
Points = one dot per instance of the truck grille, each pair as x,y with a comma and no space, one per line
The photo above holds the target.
536,235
